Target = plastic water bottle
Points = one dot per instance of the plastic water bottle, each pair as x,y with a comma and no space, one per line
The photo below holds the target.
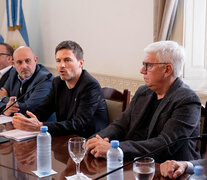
114,160
44,151
198,173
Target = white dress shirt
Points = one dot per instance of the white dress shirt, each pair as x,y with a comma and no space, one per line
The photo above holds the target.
3,71
190,168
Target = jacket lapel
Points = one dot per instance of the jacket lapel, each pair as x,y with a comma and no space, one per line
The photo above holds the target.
156,114
163,103
75,99
138,114
4,78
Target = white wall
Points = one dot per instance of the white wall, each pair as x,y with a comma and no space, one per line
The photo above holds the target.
113,33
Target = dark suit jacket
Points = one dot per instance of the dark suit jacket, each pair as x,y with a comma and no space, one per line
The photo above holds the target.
178,115
34,97
88,111
4,78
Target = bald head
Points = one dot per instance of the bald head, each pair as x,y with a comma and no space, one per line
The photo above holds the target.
23,49
24,61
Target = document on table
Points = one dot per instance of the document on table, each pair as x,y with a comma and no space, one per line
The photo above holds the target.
5,119
19,135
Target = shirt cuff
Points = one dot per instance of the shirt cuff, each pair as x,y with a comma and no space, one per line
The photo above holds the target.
190,168
2,98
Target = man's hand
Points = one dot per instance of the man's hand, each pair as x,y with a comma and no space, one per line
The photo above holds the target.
173,169
3,92
12,109
28,124
98,146
26,153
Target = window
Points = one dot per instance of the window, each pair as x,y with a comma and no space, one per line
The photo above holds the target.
195,42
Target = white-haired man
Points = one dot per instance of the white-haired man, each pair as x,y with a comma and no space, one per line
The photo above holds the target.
163,110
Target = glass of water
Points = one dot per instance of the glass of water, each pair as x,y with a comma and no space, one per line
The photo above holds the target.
77,150
144,168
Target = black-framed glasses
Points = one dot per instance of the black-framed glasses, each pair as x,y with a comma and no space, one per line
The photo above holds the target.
6,54
148,64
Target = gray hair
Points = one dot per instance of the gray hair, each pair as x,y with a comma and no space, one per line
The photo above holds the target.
169,52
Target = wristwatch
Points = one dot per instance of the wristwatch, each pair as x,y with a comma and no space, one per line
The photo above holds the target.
2,98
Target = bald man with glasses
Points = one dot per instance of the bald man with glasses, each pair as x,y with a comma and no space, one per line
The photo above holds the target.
162,111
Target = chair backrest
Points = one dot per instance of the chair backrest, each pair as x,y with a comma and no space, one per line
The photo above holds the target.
203,129
116,101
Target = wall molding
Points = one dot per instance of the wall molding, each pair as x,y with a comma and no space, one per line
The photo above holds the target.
120,83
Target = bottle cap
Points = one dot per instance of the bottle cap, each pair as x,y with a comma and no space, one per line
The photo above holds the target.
198,170
114,143
43,128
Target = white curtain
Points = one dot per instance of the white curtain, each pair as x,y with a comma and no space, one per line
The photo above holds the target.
168,20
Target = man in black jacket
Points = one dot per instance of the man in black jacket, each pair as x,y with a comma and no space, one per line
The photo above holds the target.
6,52
76,97
161,111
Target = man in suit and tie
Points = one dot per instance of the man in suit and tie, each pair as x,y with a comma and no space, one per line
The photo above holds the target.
6,53
161,111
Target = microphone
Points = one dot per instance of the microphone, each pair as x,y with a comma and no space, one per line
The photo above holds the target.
47,77
202,136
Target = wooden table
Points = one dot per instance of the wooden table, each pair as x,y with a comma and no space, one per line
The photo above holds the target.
18,159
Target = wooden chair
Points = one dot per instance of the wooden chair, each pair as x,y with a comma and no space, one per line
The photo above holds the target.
203,129
116,101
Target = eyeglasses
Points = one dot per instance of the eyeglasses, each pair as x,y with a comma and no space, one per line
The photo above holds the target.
150,65
6,54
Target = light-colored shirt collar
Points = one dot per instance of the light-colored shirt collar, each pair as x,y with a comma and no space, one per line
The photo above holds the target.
24,80
3,71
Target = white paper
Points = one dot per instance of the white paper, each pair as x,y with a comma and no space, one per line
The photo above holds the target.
52,172
5,119
19,135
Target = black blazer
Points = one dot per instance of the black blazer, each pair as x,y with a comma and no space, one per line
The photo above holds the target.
4,78
87,113
177,116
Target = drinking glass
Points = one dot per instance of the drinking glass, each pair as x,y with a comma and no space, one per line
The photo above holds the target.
144,168
77,150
